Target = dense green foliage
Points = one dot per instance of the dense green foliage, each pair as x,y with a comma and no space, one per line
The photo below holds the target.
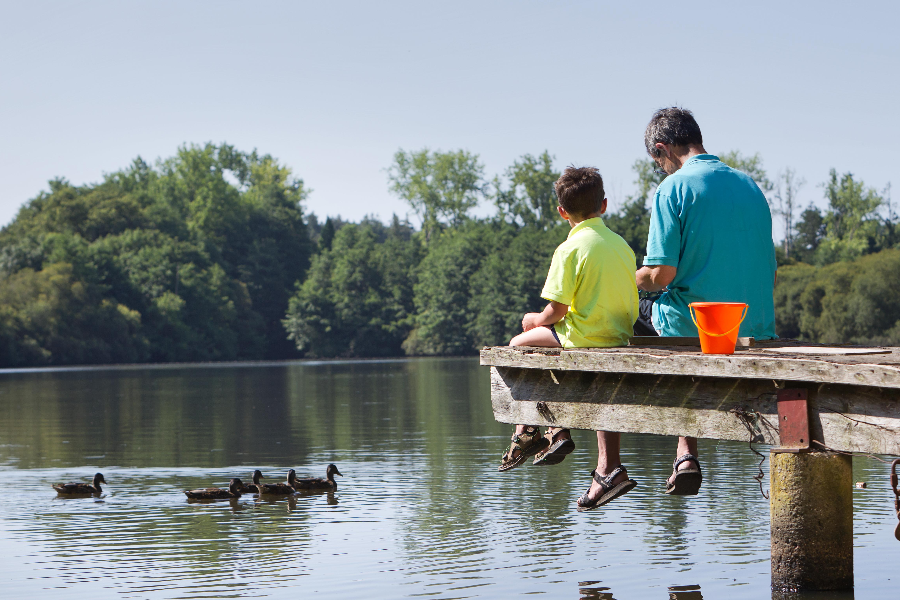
209,256
192,260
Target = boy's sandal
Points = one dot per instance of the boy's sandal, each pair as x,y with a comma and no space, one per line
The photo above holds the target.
524,445
557,449
610,491
686,481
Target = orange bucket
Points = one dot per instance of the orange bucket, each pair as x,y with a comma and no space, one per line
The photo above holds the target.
718,324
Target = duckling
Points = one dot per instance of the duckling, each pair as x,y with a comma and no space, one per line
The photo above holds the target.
233,491
278,489
318,483
72,489
250,488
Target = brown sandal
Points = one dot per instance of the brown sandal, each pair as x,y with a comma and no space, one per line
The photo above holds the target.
687,481
528,443
610,491
557,449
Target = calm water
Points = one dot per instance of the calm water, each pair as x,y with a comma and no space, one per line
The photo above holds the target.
421,511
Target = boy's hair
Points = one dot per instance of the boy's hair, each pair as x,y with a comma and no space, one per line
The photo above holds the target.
580,190
674,126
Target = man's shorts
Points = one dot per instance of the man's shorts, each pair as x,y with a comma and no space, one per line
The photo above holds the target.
644,323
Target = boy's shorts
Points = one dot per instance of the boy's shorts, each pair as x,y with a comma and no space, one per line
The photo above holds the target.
555,335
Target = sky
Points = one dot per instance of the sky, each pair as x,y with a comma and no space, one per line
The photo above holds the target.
334,89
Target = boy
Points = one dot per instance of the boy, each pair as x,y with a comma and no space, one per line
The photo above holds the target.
593,304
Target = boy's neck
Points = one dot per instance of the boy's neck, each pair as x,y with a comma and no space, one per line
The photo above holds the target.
573,220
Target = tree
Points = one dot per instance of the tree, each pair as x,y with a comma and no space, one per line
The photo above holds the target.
203,250
809,233
632,220
441,187
530,199
851,222
784,201
442,291
357,299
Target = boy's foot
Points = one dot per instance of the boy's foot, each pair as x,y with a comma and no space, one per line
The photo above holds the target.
559,445
525,444
686,476
605,488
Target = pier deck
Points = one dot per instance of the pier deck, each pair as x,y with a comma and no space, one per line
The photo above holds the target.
811,402
853,393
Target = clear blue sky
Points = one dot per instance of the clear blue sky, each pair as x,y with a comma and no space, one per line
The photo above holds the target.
333,89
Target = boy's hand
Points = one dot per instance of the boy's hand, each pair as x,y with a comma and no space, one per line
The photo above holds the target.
529,321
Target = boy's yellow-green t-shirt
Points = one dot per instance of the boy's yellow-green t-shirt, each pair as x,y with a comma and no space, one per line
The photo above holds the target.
593,273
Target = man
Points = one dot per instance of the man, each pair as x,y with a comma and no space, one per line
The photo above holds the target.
710,240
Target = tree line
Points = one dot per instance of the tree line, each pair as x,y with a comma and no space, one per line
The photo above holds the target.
209,255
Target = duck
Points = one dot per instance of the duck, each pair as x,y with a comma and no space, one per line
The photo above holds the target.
278,489
70,489
234,491
317,483
250,488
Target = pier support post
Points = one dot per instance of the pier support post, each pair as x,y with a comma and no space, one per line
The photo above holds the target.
811,501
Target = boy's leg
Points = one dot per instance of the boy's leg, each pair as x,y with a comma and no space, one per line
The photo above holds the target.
607,460
542,337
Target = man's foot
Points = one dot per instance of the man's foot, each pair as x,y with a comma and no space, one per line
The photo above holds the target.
686,477
605,488
525,444
559,445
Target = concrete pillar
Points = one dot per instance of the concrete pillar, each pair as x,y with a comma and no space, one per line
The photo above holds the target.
811,501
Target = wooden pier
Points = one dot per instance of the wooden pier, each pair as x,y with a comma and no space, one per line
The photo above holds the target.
812,403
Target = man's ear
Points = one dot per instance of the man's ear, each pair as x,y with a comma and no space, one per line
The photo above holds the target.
603,206
663,149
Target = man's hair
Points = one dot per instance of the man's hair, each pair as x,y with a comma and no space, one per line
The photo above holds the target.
675,126
580,190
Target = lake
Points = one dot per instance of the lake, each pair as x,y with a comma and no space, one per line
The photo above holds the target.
420,512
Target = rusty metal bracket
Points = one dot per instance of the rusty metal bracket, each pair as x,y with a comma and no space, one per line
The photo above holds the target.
793,420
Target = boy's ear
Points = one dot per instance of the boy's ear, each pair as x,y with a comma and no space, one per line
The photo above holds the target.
603,206
562,212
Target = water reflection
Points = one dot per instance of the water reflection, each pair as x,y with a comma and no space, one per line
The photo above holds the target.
421,509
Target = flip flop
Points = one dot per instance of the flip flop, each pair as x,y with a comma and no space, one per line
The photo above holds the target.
687,481
527,443
610,491
556,451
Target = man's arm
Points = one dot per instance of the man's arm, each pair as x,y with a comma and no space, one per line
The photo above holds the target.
550,315
654,278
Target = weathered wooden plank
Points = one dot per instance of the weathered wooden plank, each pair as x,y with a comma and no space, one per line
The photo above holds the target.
846,418
651,340
745,365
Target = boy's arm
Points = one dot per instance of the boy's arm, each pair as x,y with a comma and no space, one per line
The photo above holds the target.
554,312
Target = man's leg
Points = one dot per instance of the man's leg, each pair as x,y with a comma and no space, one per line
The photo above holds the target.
686,445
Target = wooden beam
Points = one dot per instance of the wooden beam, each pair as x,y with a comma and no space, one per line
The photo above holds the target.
651,340
842,417
752,364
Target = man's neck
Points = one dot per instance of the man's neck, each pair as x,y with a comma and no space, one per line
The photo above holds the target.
682,154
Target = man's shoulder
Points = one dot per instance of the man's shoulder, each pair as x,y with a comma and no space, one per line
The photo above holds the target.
699,175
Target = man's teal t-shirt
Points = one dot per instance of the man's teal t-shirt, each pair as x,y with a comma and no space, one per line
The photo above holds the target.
713,224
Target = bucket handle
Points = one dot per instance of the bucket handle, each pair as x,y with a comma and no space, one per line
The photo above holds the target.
743,316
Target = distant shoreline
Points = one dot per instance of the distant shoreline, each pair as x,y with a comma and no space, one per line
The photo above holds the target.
225,364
